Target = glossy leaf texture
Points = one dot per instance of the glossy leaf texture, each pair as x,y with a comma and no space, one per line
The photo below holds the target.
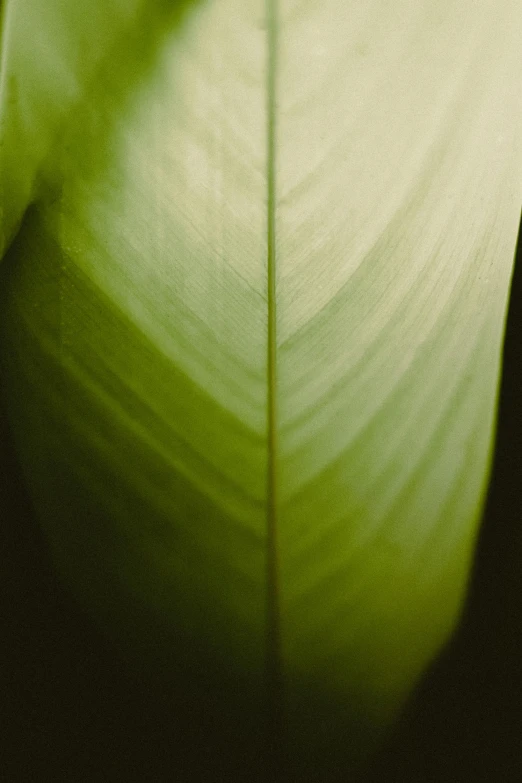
252,325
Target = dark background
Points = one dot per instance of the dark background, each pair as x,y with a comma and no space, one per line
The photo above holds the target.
69,711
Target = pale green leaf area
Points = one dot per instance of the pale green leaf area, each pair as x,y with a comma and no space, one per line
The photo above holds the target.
51,51
253,321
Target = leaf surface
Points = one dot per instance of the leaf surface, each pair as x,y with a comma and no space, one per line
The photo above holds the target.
51,52
253,324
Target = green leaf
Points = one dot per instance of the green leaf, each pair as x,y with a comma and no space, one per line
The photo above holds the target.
52,50
252,328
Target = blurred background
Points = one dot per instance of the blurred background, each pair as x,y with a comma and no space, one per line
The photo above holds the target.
69,710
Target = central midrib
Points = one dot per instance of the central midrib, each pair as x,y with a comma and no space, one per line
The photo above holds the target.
273,637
